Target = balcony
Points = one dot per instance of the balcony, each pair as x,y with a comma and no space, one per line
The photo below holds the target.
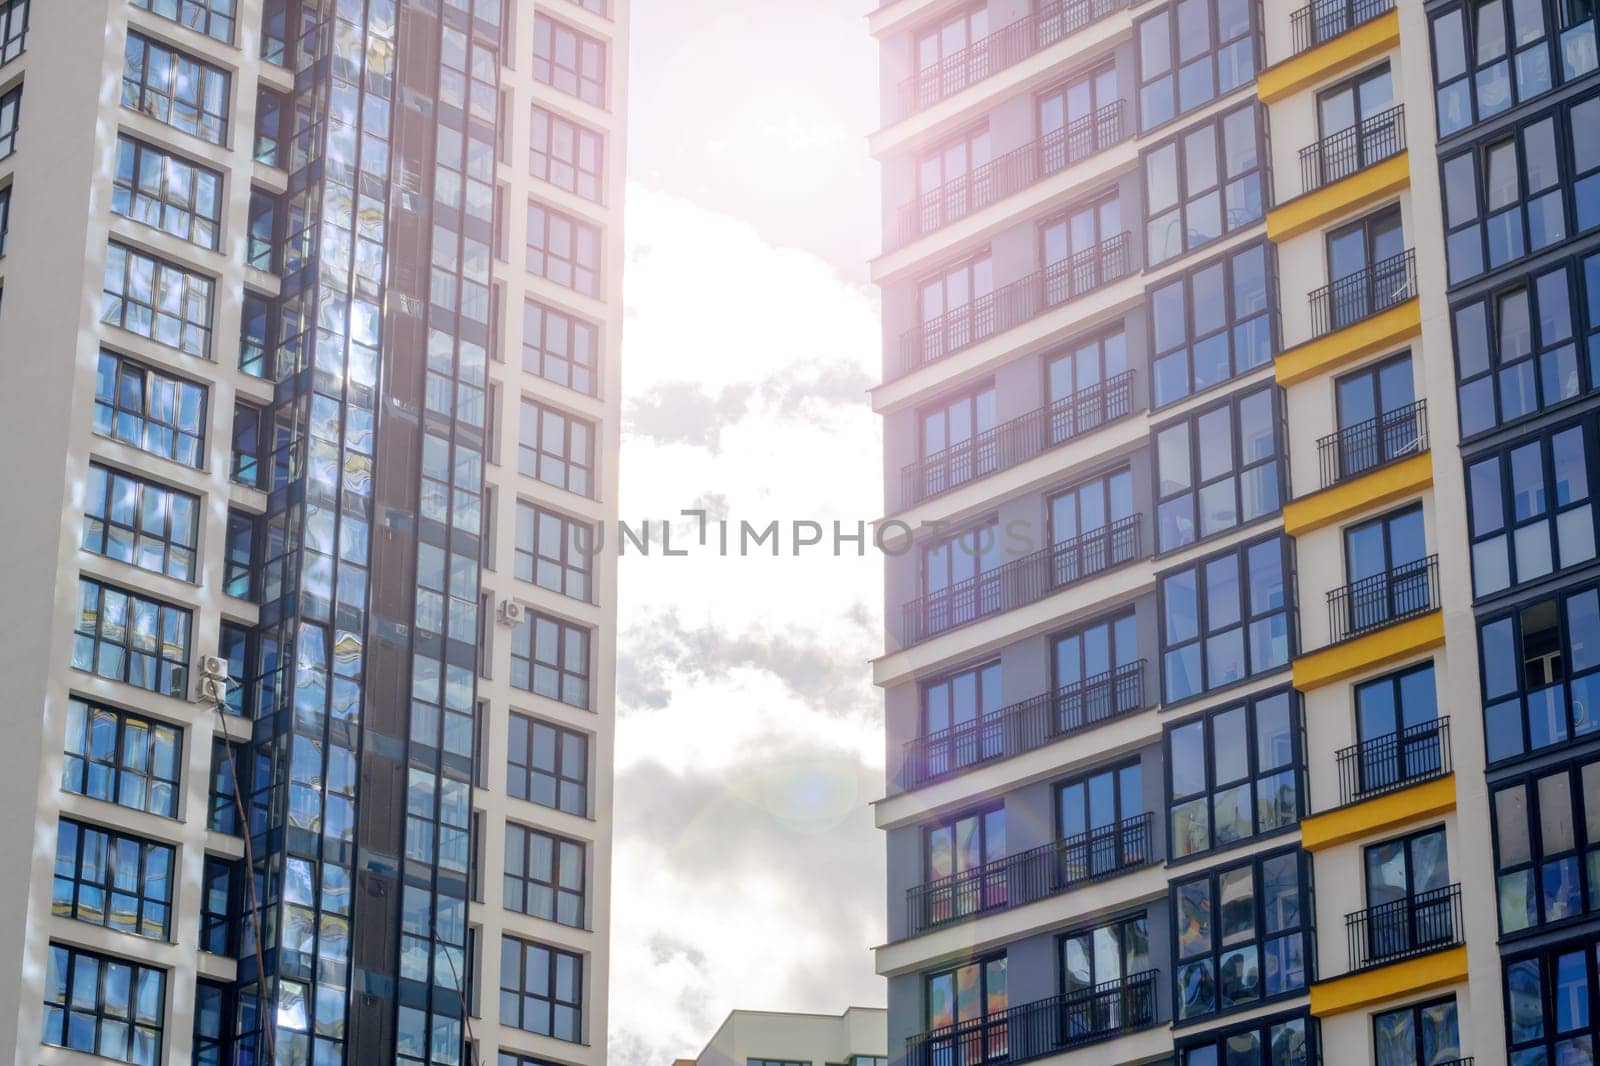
1405,928
1343,173
1323,20
1010,173
1394,761
1017,440
1046,1027
1394,595
1029,876
1021,581
1024,726
1352,150
1015,303
1364,294
1362,447
1005,47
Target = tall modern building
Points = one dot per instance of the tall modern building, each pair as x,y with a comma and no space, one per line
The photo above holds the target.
1242,677
309,378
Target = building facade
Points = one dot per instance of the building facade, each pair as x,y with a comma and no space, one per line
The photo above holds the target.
775,1038
309,655
1239,397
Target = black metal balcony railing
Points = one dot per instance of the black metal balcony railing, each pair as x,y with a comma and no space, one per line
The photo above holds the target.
1018,440
1391,596
1046,1027
1367,292
1394,761
1032,875
1013,304
1364,446
1323,20
1012,172
1005,47
1353,149
1025,726
1022,580
1404,928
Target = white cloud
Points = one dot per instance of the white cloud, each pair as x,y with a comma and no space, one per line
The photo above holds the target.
749,744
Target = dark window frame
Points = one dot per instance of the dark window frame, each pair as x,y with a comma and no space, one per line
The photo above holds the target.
129,1018
145,888
578,474
1519,696
208,123
566,367
10,120
1238,469
202,16
1415,1011
1544,964
571,269
1264,1027
519,994
150,207
1233,323
178,549
1552,41
1098,981
170,676
548,68
1580,862
13,28
554,880
1209,53
1229,219
521,776
573,557
154,793
530,662
123,307
587,182
218,930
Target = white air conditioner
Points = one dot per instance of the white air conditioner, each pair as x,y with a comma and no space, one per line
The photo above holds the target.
213,689
510,613
213,666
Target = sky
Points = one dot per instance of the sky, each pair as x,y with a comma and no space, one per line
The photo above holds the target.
749,734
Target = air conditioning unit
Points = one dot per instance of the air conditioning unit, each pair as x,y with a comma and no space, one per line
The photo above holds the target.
214,666
510,613
213,689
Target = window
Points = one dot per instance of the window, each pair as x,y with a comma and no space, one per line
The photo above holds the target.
957,444
262,239
944,62
1081,518
1210,325
128,637
953,180
556,448
961,715
1547,846
164,190
1225,619
1191,52
1491,54
245,465
1234,774
1548,998
1203,183
1073,120
1409,902
567,155
560,347
10,119
957,307
955,852
258,337
213,1024
140,522
1282,1040
551,658
157,299
121,758
1397,725
1420,1034
959,579
13,28
541,989
1096,672
1099,823
103,1005
563,249
1541,674
237,645
271,108
223,816
1074,245
1508,198
778,1062
239,555
1218,468
1521,348
548,765
214,18
569,61
112,879
5,217
1386,564
1366,272
1105,956
969,995
1531,509
1356,127
554,552
1378,420
544,876
1242,935
174,88
275,32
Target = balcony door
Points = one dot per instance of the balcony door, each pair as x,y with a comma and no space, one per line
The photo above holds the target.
1083,527
957,307
1408,909
1073,248
1377,422
1397,724
1093,818
1068,129
1096,673
1366,268
1076,381
1355,128
967,1019
961,719
1420,1034
1386,563
958,851
960,578
946,60
1095,967
952,180
956,443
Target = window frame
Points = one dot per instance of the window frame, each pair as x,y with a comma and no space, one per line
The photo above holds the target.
574,554
201,16
80,764
13,38
66,959
171,675
571,270
1215,1038
1119,922
1228,221
10,120
1415,1011
1232,326
1584,854
218,930
566,634
558,774
579,475
553,1000
154,386
117,306
178,557
592,90
559,891
1519,696
1557,72
1211,53
1546,960
1237,471
152,912
200,229
572,326
210,126
591,178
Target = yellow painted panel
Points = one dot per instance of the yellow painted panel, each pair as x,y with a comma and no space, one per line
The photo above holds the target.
1357,990
1387,329
1350,657
1375,489
1321,206
1380,812
1329,58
